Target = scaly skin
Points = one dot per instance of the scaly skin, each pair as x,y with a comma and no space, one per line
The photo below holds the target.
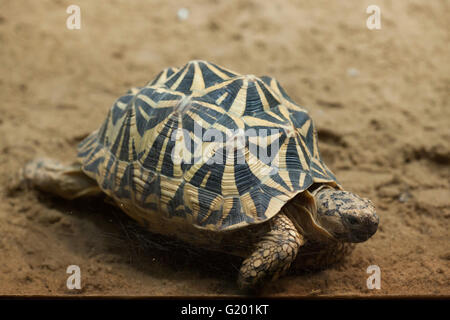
273,255
68,182
349,217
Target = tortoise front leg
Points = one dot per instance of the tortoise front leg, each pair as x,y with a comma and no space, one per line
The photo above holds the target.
273,254
66,181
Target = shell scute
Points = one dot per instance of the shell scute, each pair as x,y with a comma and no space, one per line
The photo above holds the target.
247,148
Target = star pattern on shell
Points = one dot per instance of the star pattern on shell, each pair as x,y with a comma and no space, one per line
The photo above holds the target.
131,154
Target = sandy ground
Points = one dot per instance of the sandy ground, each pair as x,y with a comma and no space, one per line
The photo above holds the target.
380,100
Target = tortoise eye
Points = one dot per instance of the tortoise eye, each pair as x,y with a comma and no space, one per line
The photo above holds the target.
352,220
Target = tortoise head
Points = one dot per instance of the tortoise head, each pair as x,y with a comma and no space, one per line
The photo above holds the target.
346,216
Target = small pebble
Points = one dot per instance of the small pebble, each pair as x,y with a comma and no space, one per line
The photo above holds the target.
352,72
404,197
183,14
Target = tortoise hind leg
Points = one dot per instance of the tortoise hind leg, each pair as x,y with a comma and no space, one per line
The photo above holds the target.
66,181
273,254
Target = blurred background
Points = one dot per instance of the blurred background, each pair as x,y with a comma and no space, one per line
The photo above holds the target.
379,98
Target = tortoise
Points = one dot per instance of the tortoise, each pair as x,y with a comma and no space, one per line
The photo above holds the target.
222,161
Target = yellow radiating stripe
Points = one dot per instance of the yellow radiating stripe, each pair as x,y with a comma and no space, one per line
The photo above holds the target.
229,187
227,205
284,111
177,83
302,179
284,175
217,205
102,169
146,143
164,76
191,200
254,122
211,106
248,205
164,147
229,132
238,106
147,100
197,153
144,114
218,72
179,145
316,147
149,138
205,179
272,209
270,89
259,141
162,103
221,98
216,86
169,103
210,149
121,166
301,155
191,171
276,116
134,91
260,169
121,105
274,87
139,180
161,155
198,83
115,133
279,161
133,133
304,129
262,96
317,162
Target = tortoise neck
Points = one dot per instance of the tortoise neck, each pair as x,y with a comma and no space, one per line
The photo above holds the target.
302,211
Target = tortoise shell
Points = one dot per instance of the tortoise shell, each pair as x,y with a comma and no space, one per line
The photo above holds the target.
200,112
